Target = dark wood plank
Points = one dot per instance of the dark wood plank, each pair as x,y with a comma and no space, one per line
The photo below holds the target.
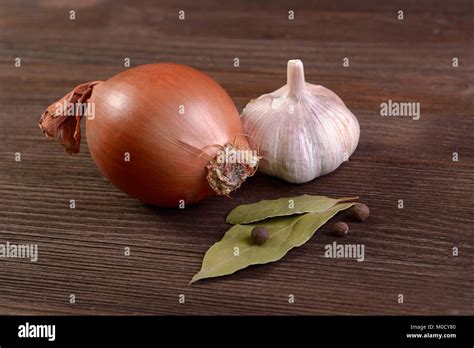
408,251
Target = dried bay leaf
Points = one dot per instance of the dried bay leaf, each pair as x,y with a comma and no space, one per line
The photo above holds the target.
248,213
285,233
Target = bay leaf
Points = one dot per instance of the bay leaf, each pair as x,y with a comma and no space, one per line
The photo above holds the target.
248,213
285,233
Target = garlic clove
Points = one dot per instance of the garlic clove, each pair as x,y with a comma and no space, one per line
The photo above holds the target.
301,130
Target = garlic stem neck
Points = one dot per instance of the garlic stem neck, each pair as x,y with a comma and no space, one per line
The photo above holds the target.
295,78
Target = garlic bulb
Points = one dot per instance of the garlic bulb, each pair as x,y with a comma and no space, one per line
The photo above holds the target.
301,130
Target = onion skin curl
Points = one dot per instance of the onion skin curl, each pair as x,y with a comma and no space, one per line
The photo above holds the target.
156,132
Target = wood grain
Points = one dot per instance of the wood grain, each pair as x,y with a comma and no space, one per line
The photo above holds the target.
81,251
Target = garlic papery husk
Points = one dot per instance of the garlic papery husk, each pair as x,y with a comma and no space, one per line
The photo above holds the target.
301,130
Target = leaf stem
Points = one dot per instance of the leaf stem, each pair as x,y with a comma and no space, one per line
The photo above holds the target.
347,199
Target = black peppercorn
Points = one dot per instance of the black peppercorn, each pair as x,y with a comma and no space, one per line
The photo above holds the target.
359,211
340,229
259,235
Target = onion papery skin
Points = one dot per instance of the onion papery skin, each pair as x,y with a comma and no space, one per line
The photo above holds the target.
155,129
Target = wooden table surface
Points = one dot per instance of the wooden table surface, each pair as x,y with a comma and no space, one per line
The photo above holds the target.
408,251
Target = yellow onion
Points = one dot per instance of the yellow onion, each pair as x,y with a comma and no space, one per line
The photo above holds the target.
166,134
